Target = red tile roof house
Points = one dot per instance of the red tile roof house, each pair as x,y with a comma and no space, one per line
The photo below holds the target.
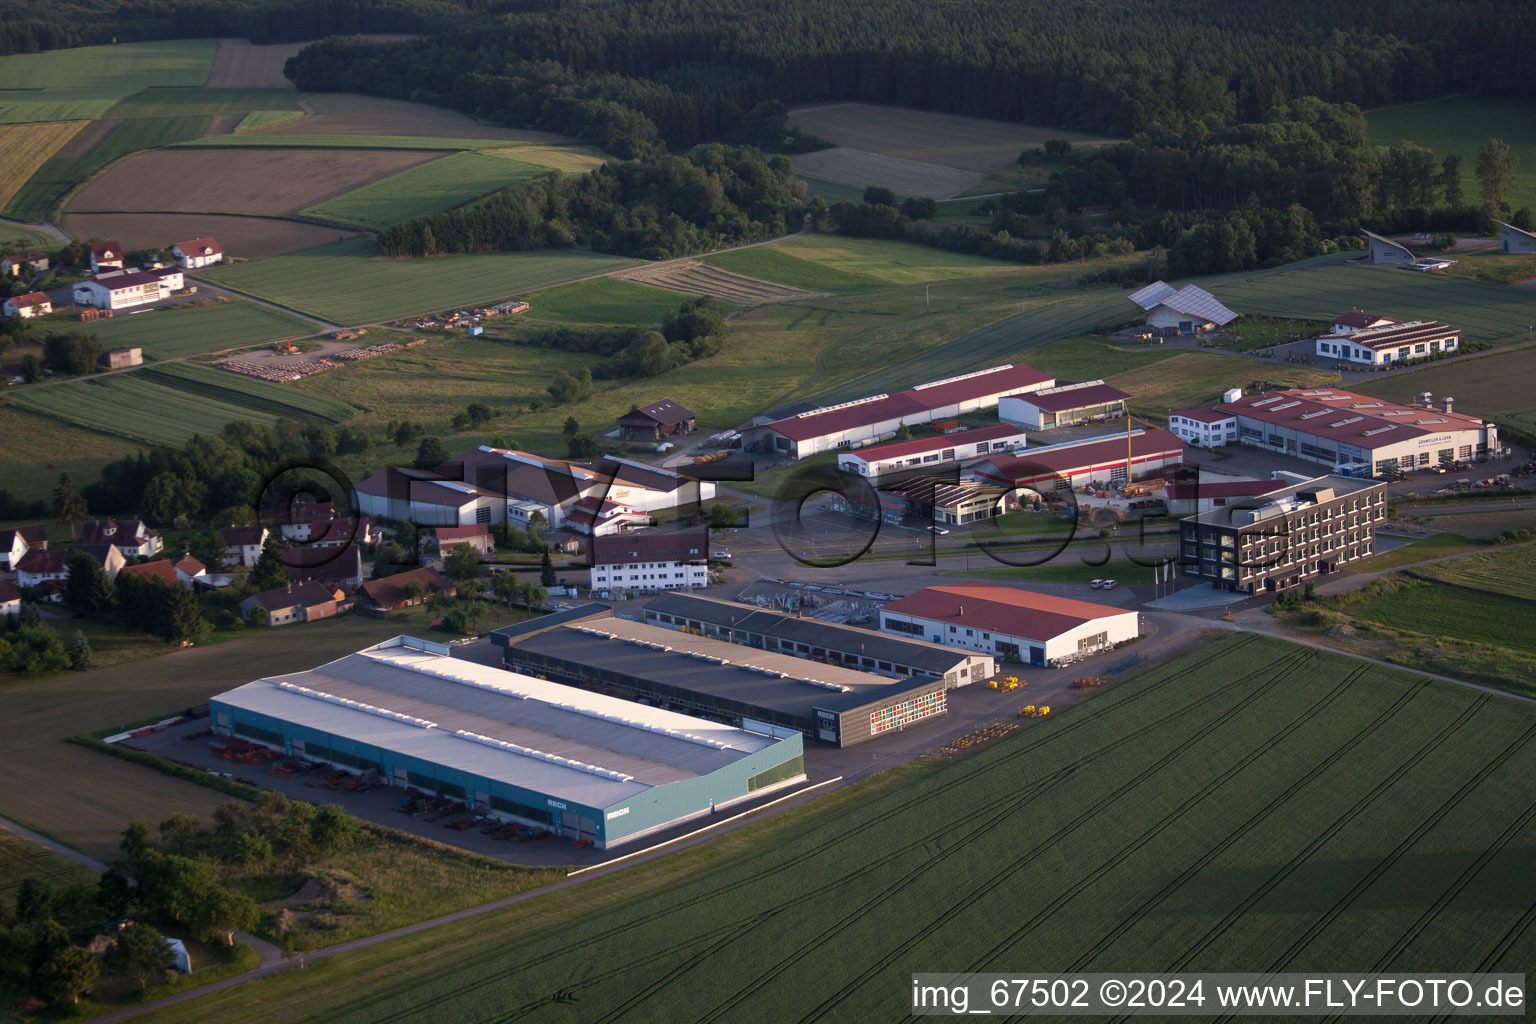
39,567
190,570
29,305
10,598
477,536
242,544
12,266
388,594
130,536
200,252
17,542
161,569
335,567
295,602
106,256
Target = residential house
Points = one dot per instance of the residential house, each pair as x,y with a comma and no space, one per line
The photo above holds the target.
242,544
17,542
595,516
131,536
477,537
162,569
200,252
109,556
651,560
656,421
305,601
121,358
106,256
10,598
41,566
339,568
29,305
388,594
1355,320
21,263
190,571
1393,342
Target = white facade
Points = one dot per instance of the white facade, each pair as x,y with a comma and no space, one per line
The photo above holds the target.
1086,638
1385,252
650,576
28,306
930,452
121,291
204,252
1373,347
1516,241
1194,429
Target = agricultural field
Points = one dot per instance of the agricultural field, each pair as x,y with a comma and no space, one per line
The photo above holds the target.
693,277
831,191
176,331
26,147
1457,612
258,119
132,405
572,159
1493,267
181,102
1251,806
38,448
606,300
1510,572
858,168
1460,125
86,81
350,283
1199,378
242,237
1324,286
248,392
873,260
775,263
1090,358
258,138
1484,526
21,236
348,114
423,189
1495,385
967,143
262,182
21,858
239,64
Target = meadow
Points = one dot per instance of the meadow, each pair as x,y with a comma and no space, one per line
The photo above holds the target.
20,236
1251,805
606,300
1461,125
209,102
26,147
257,119
692,277
247,392
872,261
858,168
256,139
1198,378
775,263
134,406
176,331
1492,384
87,81
1458,612
38,448
425,189
21,858
349,283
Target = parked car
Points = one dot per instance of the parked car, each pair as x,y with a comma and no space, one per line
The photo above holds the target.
1110,584
1096,584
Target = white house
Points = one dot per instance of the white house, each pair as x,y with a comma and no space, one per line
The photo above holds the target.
1009,623
1187,310
1354,320
1517,241
1379,346
651,560
1203,428
189,570
592,515
1385,252
17,542
130,536
242,544
14,265
200,252
29,305
10,598
106,256
122,289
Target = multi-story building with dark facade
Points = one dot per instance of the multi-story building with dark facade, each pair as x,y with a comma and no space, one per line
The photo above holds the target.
1286,537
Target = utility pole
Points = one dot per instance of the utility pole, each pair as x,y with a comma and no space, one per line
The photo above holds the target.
927,304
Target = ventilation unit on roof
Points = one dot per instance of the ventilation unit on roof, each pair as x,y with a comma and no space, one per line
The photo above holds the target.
1377,430
357,705
828,686
516,748
963,376
842,405
1287,405
1266,401
1346,422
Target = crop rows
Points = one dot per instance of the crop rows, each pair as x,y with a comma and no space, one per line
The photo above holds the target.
134,406
26,147
248,392
425,189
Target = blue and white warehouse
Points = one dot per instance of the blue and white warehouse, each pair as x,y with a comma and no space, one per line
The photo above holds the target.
585,765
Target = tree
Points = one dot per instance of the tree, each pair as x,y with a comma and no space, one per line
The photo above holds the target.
333,830
582,448
269,572
79,652
140,953
537,524
1524,219
1450,180
903,432
414,591
31,368
879,195
87,590
68,507
137,845
222,912
722,515
546,570
430,453
207,547
34,900
114,893
507,587
174,887
534,597
462,564
572,428
464,617
1496,170
67,975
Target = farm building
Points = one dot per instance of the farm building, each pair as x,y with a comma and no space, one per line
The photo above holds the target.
1152,452
10,598
1010,624
849,646
1340,428
961,447
1355,320
122,289
18,541
599,517
304,601
200,252
496,485
1516,241
1064,406
242,544
656,421
784,412
926,498
17,264
29,305
651,560
1385,252
390,593
118,358
879,416
1294,534
1203,428
1187,310
587,766
761,691
130,536
106,256
477,537
1390,343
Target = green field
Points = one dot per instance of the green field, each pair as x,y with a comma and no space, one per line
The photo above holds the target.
248,392
1457,612
1461,125
1250,806
21,858
775,263
832,191
86,81
1090,358
267,119
1191,379
38,448
62,173
607,300
55,104
349,283
879,261
1509,572
134,406
274,140
20,236
172,332
178,102
424,189
1495,385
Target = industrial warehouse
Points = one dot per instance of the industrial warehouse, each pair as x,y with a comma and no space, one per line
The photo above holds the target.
1150,452
591,767
1015,625
1091,401
762,691
960,447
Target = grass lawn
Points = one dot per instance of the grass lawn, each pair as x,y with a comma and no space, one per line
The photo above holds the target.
1434,546
136,407
20,237
831,191
1459,613
1493,267
1198,378
1089,358
607,300
350,283
1506,571
21,858
1485,526
1490,384
127,67
573,158
176,331
38,448
425,189
1461,125
1250,805
885,262
267,119
1258,331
